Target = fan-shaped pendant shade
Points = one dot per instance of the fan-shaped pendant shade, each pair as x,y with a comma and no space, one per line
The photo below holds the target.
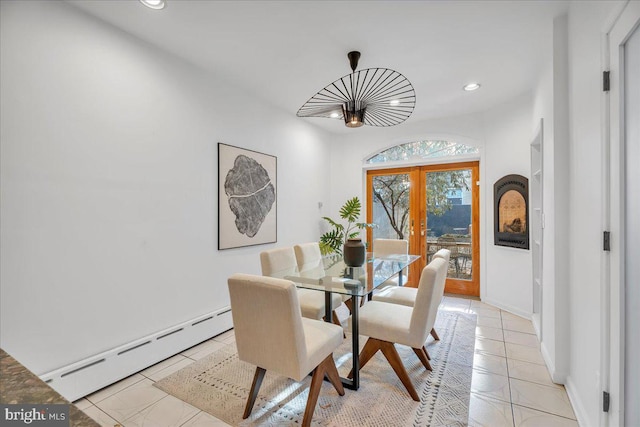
374,97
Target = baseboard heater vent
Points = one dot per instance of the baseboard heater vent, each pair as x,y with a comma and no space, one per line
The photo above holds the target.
81,368
93,373
135,347
170,333
203,320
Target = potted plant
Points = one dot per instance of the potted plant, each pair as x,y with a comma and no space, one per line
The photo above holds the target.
335,239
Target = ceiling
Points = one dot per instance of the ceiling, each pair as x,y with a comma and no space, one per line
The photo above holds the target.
286,51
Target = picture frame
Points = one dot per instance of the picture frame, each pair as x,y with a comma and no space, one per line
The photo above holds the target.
511,212
247,197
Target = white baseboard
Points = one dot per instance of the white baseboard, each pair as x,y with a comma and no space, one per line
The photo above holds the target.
510,309
556,376
578,406
535,319
93,373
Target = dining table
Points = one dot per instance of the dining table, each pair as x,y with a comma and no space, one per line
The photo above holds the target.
332,276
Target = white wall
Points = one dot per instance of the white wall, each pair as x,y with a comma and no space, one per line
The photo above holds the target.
508,133
551,104
109,185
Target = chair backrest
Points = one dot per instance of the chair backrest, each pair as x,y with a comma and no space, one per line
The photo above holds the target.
384,247
446,242
268,324
430,291
280,261
308,255
445,254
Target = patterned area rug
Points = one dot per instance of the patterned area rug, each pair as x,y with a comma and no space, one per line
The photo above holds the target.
219,384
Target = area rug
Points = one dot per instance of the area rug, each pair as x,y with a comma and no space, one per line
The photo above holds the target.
219,384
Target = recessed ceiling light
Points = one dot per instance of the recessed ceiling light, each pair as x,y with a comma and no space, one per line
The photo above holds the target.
335,115
394,102
471,86
153,4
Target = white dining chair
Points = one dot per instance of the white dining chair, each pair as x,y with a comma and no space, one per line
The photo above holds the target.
281,262
407,296
386,247
387,324
271,334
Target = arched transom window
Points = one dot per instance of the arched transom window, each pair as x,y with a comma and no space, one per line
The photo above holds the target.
422,150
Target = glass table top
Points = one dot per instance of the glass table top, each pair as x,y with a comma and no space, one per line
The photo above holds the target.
333,275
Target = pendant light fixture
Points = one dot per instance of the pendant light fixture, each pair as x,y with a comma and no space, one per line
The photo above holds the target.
373,96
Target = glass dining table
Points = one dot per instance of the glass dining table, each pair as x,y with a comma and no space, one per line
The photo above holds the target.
332,276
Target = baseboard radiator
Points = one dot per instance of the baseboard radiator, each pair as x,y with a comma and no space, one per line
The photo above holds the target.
91,374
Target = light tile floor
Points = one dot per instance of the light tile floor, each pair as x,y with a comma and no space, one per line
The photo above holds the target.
510,385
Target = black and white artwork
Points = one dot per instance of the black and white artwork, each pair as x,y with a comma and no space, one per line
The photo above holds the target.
246,197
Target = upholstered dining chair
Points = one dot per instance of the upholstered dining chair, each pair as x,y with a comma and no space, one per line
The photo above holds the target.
407,296
385,247
388,324
271,334
309,258
281,262
308,255
446,242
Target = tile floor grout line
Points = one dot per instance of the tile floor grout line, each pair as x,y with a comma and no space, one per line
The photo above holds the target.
543,411
194,415
513,415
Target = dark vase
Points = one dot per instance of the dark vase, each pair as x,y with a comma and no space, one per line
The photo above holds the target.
353,253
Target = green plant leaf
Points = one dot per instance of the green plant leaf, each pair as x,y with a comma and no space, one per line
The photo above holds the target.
334,224
353,235
351,210
331,241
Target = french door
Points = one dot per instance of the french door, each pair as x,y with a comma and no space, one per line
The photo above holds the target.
433,207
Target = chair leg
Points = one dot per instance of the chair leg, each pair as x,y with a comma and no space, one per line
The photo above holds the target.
316,383
426,352
331,371
253,393
423,358
349,304
370,348
434,334
390,352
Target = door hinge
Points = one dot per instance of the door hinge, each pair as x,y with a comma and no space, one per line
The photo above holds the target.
606,400
606,84
606,241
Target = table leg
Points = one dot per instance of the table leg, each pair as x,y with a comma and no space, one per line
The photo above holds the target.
328,310
400,279
354,384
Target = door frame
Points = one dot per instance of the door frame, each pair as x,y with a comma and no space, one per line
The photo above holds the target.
613,283
458,286
418,246
413,172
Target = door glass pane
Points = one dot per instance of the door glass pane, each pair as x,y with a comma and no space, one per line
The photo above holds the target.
391,206
449,219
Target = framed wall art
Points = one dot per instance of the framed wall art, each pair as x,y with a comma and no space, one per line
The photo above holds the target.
511,211
247,197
